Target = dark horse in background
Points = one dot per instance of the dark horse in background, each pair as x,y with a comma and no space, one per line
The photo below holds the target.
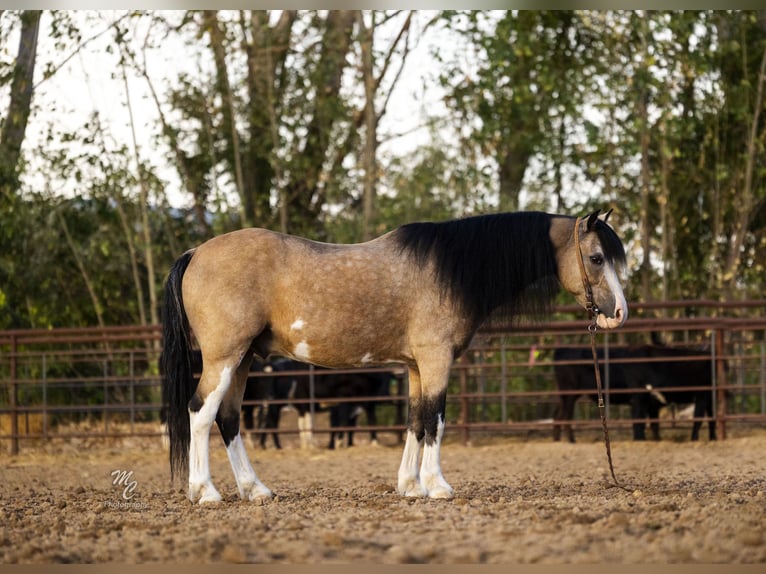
416,295
651,371
288,383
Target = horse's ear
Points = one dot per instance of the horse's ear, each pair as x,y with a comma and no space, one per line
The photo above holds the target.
592,218
604,216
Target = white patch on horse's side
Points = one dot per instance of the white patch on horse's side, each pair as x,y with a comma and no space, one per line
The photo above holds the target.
431,477
200,484
367,358
297,325
302,351
408,483
248,484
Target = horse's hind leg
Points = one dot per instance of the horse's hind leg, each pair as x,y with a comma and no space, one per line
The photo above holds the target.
557,416
564,415
203,407
372,420
248,484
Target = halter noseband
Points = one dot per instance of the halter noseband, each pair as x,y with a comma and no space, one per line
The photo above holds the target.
590,304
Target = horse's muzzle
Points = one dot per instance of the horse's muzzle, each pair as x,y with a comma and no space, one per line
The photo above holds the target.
616,320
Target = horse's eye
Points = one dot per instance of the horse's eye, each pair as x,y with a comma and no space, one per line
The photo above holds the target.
597,260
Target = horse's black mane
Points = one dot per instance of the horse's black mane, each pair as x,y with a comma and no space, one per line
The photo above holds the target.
499,266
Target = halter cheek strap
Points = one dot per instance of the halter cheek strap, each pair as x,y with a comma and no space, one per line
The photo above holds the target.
590,304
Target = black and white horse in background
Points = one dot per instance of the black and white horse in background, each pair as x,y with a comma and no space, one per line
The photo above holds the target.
415,295
684,367
579,376
648,371
289,384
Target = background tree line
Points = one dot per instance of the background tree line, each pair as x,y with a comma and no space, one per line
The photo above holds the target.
284,119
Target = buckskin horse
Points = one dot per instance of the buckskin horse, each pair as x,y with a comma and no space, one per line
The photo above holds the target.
415,295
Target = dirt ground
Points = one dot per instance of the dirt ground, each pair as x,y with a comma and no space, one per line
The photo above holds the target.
516,502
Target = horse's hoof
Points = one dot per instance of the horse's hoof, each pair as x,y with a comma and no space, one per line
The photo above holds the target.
411,488
437,487
204,494
210,499
441,492
256,493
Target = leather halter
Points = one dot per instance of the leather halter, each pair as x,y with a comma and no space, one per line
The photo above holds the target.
590,304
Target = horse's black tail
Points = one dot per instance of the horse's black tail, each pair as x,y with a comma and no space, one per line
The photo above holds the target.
178,385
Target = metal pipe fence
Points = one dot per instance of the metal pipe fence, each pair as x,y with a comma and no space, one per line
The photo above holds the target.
104,383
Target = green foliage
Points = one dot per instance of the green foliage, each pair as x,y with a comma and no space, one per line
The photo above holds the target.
541,113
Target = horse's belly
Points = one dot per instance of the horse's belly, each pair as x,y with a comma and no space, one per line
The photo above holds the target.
356,345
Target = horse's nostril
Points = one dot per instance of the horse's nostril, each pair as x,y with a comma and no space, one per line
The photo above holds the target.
618,314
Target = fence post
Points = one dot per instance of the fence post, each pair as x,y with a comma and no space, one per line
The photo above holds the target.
762,378
45,395
721,383
312,396
503,383
464,399
12,400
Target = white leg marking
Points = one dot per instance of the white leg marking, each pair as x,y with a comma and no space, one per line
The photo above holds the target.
408,483
431,476
250,488
200,485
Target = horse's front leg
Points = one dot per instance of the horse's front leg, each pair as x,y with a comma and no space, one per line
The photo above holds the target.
425,430
408,483
430,468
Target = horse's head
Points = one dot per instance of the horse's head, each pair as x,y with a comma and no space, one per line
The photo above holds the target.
590,261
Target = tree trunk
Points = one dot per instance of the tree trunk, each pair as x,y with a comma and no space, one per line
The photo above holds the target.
370,122
265,64
143,205
304,195
645,222
15,124
512,163
97,306
665,224
745,202
211,26
125,224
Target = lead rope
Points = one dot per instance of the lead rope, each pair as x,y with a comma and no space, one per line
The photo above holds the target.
592,328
